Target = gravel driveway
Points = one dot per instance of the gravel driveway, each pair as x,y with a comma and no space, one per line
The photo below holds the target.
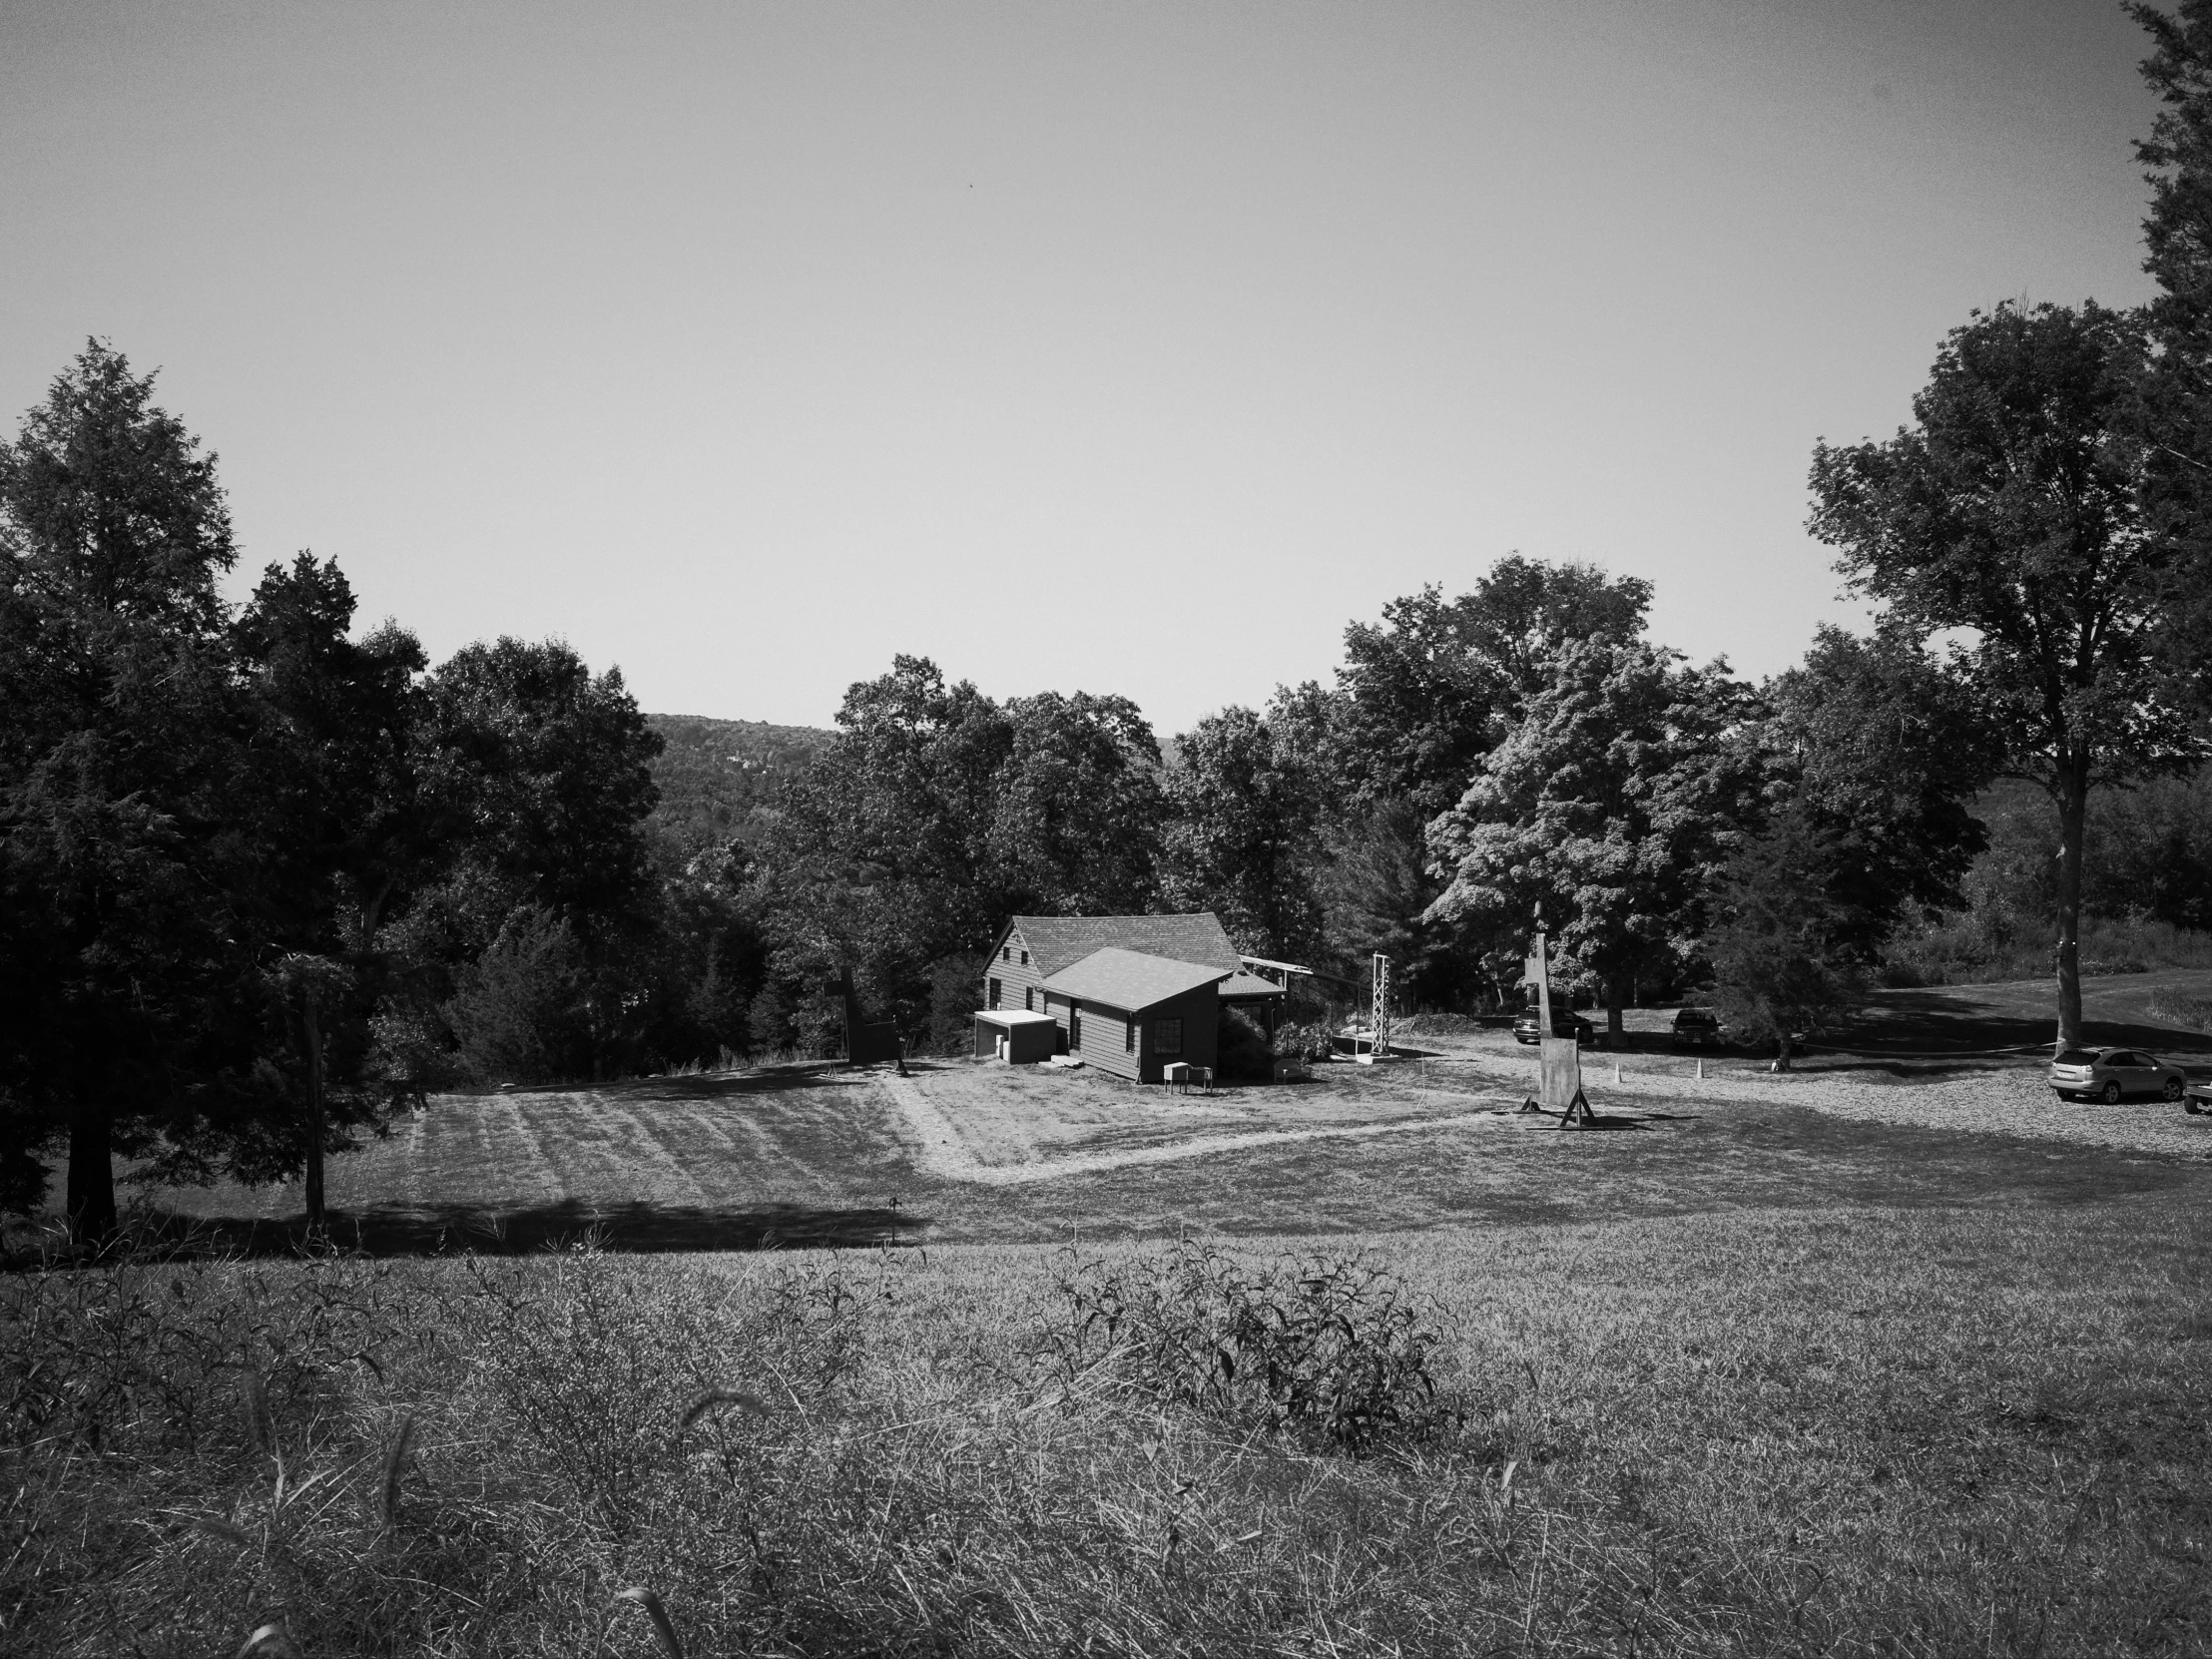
2009,1100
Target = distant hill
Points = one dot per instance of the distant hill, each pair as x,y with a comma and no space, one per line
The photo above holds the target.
713,773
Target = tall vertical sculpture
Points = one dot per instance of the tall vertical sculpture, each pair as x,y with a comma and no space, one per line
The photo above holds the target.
1381,1004
1560,1087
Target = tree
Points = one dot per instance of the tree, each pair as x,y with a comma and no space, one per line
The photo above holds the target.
535,774
119,765
1244,806
2011,509
1782,968
1076,827
1612,806
881,857
1427,691
1881,752
332,811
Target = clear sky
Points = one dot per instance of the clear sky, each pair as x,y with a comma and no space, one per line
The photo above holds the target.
1117,347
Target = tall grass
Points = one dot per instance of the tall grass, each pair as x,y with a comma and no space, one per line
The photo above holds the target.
1897,1434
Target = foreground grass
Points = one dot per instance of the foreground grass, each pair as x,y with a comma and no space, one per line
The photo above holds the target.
1834,1432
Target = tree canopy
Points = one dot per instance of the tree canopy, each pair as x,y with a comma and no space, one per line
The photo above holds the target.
2009,512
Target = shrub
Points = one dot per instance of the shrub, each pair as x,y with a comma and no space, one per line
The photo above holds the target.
1336,1349
1302,1042
1241,1047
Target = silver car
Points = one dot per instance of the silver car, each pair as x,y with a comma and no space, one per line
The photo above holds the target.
2112,1074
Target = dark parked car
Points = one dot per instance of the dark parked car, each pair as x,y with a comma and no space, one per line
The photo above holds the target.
2111,1074
1566,1022
1697,1028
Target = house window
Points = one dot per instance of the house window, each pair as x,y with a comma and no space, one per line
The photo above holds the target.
1075,1027
1129,1036
1167,1036
1025,958
1005,952
994,994
1028,992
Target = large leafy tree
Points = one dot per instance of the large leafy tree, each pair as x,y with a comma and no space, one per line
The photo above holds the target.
879,856
1244,804
119,765
1425,693
1881,754
1612,806
2011,510
534,774
2174,414
1076,829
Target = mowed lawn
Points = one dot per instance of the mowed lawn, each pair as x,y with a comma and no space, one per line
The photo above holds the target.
820,1156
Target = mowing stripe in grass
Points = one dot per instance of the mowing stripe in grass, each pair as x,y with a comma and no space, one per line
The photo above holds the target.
943,1153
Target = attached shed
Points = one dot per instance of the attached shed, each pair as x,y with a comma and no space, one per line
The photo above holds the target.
1019,1038
1130,1013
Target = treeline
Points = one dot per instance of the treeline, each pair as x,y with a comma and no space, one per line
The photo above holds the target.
264,878
1521,747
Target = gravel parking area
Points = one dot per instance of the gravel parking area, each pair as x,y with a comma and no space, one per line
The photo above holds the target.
2004,1101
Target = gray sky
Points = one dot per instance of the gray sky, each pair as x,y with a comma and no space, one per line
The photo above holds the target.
1118,348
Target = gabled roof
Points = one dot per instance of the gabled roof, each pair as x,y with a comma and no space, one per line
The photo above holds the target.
1057,942
1131,980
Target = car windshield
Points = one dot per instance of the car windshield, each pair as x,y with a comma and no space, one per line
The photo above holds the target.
2077,1057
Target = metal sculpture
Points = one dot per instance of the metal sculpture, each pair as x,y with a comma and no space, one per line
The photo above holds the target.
1560,1088
1381,1004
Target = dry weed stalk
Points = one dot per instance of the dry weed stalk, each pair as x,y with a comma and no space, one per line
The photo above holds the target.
663,1625
387,1484
272,1641
741,1398
260,1426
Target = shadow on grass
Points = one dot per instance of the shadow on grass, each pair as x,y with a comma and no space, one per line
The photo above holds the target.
392,1229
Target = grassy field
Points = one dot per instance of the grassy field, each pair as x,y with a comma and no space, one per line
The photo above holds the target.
815,1157
1846,1432
1736,1376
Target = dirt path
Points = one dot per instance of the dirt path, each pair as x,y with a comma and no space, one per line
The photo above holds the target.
945,1153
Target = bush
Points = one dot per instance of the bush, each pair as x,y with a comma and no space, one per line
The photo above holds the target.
1240,1049
1302,1042
1334,1348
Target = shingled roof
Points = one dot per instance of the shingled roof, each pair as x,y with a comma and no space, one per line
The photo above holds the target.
1131,980
1057,942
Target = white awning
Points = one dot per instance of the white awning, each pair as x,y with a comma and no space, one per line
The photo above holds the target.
1013,1016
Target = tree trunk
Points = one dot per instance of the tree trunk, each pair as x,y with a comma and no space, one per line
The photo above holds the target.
314,1029
1615,1006
91,1195
1782,1051
2073,812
